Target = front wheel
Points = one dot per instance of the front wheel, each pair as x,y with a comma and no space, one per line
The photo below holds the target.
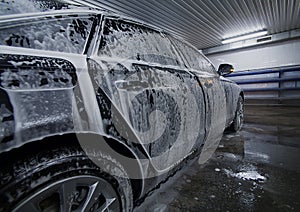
64,179
239,116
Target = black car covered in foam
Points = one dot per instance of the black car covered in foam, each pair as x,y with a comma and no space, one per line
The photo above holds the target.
97,109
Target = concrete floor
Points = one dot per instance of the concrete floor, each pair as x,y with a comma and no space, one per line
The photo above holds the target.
256,169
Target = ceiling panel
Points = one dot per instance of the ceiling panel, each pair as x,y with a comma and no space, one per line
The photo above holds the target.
205,23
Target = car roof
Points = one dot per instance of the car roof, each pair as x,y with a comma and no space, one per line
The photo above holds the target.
14,7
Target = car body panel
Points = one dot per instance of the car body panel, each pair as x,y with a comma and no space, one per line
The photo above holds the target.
172,114
232,92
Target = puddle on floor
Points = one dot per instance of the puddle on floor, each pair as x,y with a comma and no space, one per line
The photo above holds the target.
254,170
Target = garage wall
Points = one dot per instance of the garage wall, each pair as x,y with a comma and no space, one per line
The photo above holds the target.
268,74
279,54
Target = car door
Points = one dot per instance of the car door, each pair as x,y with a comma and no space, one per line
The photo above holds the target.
215,100
141,73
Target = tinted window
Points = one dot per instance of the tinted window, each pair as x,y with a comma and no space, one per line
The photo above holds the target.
194,59
63,34
132,41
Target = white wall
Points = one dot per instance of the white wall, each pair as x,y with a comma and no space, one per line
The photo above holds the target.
279,54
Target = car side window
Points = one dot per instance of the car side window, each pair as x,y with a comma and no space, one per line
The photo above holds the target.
128,40
194,59
62,34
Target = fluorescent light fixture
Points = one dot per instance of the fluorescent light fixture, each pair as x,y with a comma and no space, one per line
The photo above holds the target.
245,36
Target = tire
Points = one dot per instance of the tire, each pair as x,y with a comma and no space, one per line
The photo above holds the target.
64,179
239,116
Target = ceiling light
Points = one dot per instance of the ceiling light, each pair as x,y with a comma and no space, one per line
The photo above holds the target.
245,36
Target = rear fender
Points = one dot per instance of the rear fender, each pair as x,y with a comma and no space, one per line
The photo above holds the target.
90,143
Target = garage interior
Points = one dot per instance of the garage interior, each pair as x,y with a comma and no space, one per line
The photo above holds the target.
258,168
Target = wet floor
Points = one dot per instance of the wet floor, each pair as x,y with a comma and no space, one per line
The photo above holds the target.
256,169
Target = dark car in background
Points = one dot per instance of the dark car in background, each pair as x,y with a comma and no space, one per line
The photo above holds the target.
97,110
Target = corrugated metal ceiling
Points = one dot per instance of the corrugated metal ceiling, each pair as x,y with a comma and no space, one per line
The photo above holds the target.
204,23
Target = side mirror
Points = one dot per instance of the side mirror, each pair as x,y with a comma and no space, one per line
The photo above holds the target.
225,69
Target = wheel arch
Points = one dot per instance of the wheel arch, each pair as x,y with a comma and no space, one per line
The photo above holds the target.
71,139
242,95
